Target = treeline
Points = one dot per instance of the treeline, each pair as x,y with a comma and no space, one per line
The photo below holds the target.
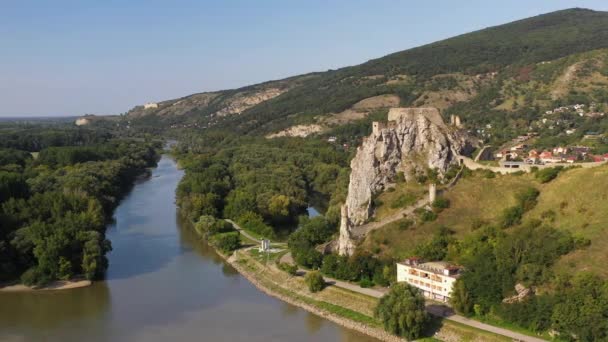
494,261
262,184
53,210
37,137
363,268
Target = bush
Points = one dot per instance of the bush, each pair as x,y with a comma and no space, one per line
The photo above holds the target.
289,268
315,281
404,201
511,216
254,222
427,215
548,174
302,242
488,174
208,226
437,248
365,283
383,275
527,198
402,311
441,203
404,224
227,242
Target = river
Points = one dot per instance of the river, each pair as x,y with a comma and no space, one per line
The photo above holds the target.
163,284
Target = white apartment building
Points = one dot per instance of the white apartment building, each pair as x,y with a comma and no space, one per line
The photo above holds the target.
434,279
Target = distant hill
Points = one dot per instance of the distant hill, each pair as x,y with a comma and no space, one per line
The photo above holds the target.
466,74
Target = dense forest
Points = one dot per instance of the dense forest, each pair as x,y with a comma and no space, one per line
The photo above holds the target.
54,207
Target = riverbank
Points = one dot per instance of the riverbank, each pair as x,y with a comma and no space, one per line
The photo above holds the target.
53,286
245,266
343,307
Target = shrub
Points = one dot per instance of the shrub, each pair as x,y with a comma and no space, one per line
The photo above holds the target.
65,269
488,174
208,226
289,268
315,281
227,242
441,203
404,201
427,215
548,174
437,248
365,283
254,222
402,311
527,198
511,216
383,275
548,215
404,224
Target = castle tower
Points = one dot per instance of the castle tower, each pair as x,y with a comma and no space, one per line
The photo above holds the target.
432,192
457,121
376,127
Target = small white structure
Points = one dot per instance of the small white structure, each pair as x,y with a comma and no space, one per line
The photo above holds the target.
82,121
435,279
264,246
150,105
432,192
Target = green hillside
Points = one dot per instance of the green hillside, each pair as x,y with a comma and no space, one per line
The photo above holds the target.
468,71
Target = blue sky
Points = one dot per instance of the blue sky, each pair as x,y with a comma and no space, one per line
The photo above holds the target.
62,57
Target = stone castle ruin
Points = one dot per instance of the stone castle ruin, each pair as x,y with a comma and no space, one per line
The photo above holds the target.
413,140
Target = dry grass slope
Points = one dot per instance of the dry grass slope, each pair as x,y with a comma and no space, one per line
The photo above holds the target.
579,199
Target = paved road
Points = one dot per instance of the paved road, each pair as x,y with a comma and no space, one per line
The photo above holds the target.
433,309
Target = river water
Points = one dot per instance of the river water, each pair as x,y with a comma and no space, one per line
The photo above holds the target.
163,284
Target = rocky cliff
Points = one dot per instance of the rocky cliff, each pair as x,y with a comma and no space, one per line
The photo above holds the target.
413,141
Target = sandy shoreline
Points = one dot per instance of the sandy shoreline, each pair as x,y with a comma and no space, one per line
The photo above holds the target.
56,285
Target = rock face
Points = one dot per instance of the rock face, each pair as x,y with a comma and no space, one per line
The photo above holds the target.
414,140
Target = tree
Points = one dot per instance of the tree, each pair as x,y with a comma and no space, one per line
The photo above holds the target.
279,206
460,298
227,242
402,311
315,281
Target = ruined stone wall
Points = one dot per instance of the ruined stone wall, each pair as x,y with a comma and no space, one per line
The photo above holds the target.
414,140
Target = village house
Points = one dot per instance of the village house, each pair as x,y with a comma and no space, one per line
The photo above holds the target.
560,150
435,279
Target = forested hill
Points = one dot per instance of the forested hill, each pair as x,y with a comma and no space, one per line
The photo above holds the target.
441,74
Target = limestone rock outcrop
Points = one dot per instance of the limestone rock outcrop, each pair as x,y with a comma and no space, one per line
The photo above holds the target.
414,140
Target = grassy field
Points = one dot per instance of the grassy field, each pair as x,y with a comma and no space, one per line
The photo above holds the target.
404,195
474,201
579,200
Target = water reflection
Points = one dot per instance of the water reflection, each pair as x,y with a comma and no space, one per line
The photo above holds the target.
48,310
314,323
163,283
